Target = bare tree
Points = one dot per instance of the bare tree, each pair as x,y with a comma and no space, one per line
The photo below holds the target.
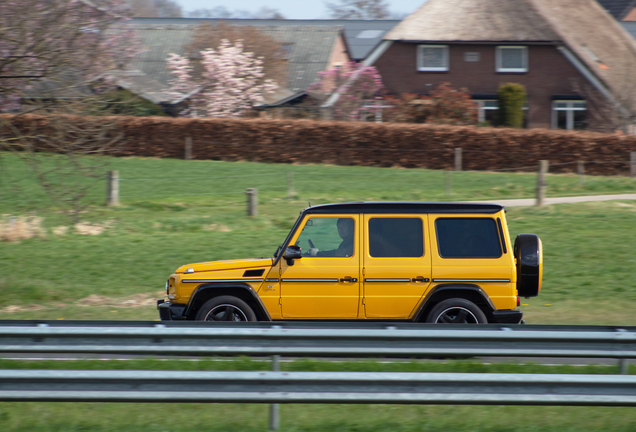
155,8
358,9
168,9
273,54
53,55
223,13
268,13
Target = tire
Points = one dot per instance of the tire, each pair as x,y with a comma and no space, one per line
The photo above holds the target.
456,311
225,308
529,254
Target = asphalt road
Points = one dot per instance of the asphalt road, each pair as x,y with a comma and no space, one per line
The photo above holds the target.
560,200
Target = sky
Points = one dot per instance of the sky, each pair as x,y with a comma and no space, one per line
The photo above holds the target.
291,9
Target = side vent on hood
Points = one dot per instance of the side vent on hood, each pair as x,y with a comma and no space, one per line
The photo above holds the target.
253,273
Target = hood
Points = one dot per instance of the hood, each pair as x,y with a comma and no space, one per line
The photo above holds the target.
227,265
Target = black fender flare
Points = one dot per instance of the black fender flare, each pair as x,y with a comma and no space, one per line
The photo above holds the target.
470,292
240,290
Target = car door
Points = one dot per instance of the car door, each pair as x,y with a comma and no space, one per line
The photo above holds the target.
471,249
396,264
327,284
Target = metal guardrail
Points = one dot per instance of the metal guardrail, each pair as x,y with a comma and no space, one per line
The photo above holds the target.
317,387
317,339
322,340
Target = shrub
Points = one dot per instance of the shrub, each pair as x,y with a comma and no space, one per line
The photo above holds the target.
512,98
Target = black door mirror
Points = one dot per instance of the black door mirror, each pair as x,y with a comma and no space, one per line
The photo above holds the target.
291,253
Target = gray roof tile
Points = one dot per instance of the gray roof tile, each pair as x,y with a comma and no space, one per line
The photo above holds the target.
310,52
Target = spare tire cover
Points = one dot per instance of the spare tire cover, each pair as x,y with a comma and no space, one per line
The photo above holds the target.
529,253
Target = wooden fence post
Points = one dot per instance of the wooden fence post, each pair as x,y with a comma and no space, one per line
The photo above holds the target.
581,170
458,159
543,169
112,189
188,148
252,202
632,164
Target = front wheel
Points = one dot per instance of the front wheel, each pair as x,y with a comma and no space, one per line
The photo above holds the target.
456,311
225,308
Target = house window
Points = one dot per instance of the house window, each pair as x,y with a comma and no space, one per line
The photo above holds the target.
432,58
488,111
571,115
512,59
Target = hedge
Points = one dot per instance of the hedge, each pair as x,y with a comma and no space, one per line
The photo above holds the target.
370,144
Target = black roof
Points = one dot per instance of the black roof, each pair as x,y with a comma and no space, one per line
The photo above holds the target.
618,8
403,207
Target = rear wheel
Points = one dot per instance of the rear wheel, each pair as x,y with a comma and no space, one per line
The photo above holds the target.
456,311
225,308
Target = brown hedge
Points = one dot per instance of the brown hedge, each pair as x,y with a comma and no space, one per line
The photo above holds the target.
369,144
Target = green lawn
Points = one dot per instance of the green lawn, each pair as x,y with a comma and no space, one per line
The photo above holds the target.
172,214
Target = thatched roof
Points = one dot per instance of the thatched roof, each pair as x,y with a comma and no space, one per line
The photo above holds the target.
581,26
596,38
474,20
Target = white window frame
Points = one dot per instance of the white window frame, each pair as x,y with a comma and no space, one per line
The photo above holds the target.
482,108
570,108
524,57
432,68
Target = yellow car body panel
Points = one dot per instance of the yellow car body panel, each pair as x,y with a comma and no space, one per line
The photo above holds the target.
376,264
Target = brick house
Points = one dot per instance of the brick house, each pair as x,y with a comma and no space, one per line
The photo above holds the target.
576,61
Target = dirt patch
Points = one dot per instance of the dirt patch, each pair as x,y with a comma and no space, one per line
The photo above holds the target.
25,308
217,227
135,300
17,228
132,301
85,228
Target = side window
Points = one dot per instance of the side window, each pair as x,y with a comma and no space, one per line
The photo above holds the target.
328,237
467,238
396,237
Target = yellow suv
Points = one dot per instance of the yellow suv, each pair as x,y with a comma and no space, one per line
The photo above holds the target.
411,261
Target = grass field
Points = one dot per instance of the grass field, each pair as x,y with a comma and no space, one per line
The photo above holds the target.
177,212
174,212
63,417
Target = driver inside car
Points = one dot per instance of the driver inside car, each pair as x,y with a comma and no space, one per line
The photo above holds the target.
345,231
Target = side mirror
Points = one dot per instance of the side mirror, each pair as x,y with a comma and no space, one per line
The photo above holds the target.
291,253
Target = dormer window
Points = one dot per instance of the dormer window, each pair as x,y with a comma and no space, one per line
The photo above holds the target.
512,59
432,58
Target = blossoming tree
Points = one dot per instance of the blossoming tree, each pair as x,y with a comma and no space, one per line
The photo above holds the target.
231,82
355,85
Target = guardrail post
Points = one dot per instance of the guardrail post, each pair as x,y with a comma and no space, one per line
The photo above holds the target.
458,158
252,202
623,366
632,164
274,409
188,148
112,188
543,169
581,170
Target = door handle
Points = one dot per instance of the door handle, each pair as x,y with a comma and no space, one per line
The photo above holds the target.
420,279
348,279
